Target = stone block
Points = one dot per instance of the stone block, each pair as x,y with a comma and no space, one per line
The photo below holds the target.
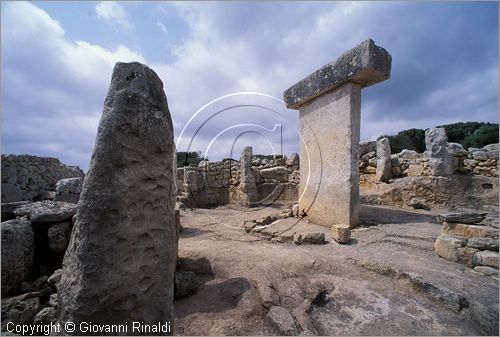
469,231
446,246
483,243
486,270
341,233
278,173
486,258
365,65
461,217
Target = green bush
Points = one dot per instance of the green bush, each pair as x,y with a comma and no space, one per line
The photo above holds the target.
484,135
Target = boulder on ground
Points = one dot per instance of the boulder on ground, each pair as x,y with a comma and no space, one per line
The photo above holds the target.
341,233
18,250
186,283
446,246
281,321
278,173
486,258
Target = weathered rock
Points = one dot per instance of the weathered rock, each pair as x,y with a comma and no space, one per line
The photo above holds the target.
365,64
293,162
466,255
47,211
491,147
462,217
366,147
295,210
18,249
19,309
281,321
486,270
341,233
59,235
247,185
440,160
69,190
8,209
186,283
55,277
418,203
415,170
313,238
278,173
483,243
46,316
486,258
11,193
119,266
469,231
268,295
249,225
297,238
384,167
456,149
446,246
449,298
479,155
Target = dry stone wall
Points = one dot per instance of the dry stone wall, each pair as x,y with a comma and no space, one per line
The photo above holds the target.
409,163
26,177
218,183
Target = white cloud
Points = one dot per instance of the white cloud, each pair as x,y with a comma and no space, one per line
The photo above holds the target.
113,12
162,27
53,88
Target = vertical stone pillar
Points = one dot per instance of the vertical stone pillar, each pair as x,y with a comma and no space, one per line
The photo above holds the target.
440,160
384,167
248,187
329,103
119,266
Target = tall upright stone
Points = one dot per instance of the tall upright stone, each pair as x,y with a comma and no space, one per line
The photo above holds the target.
120,263
384,167
248,188
440,160
329,103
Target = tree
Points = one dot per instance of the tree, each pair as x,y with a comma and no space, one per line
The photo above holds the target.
484,135
189,158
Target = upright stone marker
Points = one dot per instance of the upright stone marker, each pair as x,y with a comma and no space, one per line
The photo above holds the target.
329,103
248,187
384,167
120,263
440,160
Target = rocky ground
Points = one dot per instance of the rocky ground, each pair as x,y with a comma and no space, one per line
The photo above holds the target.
386,281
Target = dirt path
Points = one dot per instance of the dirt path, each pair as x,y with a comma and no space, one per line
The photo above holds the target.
387,281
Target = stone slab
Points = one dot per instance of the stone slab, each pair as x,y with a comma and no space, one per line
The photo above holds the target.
365,65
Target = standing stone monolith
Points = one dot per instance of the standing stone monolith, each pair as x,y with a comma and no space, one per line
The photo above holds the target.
120,263
440,160
384,167
329,103
248,187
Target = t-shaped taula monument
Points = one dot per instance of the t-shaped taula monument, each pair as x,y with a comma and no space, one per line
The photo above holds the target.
119,267
329,104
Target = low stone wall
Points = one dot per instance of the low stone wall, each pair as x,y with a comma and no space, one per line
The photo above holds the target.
471,239
26,177
409,163
217,183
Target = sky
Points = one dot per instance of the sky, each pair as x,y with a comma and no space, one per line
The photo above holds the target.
225,66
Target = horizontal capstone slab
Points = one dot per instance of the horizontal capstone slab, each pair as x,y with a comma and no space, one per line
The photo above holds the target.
365,64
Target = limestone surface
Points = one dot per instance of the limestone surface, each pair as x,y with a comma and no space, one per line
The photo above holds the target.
120,263
247,186
69,189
